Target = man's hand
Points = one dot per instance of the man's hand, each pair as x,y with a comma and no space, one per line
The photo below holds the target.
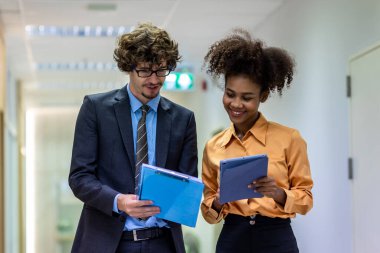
130,204
268,187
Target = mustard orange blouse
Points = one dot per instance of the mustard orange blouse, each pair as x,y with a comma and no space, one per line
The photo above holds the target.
287,164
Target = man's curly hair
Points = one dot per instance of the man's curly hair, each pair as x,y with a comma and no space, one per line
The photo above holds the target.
147,43
238,54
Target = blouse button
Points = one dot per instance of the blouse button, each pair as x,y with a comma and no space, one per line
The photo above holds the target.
252,222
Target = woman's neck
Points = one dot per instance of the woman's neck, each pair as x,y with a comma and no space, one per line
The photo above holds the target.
242,130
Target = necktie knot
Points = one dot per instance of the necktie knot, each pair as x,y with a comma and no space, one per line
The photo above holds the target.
144,109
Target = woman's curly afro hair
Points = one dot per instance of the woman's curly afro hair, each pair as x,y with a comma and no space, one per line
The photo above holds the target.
238,54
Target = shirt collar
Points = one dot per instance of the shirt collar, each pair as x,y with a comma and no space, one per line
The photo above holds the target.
136,104
258,130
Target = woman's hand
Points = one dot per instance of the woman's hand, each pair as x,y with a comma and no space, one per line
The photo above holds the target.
268,187
216,203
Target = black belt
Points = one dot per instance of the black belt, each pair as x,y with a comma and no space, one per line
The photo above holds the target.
144,234
255,220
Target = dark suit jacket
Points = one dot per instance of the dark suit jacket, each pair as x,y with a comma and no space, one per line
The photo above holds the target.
103,163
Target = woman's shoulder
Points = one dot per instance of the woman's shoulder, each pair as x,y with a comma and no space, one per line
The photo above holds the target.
280,129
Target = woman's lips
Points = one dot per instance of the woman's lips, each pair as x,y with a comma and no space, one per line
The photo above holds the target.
236,113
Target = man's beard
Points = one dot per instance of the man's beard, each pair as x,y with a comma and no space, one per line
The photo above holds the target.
153,96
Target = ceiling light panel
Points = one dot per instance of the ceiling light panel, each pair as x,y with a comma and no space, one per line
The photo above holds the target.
72,66
75,31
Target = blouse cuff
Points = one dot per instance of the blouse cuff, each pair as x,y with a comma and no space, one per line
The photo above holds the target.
289,203
216,216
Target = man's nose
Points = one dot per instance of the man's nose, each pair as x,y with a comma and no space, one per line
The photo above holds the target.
154,78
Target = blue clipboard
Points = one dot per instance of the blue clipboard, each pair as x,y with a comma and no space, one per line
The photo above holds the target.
178,195
237,173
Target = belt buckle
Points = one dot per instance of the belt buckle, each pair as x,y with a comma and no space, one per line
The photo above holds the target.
135,238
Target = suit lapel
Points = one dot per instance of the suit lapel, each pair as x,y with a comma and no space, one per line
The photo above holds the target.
123,116
164,124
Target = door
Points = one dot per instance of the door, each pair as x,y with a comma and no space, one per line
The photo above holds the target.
365,149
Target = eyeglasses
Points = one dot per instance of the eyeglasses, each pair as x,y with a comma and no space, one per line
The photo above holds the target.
149,72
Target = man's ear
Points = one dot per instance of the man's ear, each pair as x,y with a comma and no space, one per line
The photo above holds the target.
264,96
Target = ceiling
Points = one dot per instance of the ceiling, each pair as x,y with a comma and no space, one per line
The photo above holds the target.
194,24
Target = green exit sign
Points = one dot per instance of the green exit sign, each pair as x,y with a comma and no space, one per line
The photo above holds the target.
179,81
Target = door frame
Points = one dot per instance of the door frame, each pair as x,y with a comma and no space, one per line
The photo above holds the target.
354,57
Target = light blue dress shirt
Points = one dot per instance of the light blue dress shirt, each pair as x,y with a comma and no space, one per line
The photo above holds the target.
151,124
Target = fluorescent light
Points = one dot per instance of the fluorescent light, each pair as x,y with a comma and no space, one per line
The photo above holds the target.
67,85
74,66
75,31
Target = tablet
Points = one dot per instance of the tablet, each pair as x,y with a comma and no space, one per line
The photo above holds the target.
237,173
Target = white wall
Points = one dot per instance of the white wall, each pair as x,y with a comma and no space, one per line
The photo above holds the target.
322,35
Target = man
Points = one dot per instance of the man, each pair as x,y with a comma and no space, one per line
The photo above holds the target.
107,146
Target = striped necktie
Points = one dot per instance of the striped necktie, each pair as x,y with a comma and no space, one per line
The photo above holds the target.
141,145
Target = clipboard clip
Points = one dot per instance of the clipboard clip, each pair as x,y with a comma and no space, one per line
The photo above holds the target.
173,175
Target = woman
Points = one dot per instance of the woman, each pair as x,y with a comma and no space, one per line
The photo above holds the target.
251,72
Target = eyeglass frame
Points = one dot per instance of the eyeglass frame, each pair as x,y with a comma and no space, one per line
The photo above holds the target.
152,72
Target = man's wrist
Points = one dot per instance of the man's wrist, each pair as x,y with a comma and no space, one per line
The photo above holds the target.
116,208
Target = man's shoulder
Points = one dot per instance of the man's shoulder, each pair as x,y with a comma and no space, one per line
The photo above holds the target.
168,104
107,97
103,95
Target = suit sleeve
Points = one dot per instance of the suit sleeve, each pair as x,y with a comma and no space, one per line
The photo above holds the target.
83,180
189,157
